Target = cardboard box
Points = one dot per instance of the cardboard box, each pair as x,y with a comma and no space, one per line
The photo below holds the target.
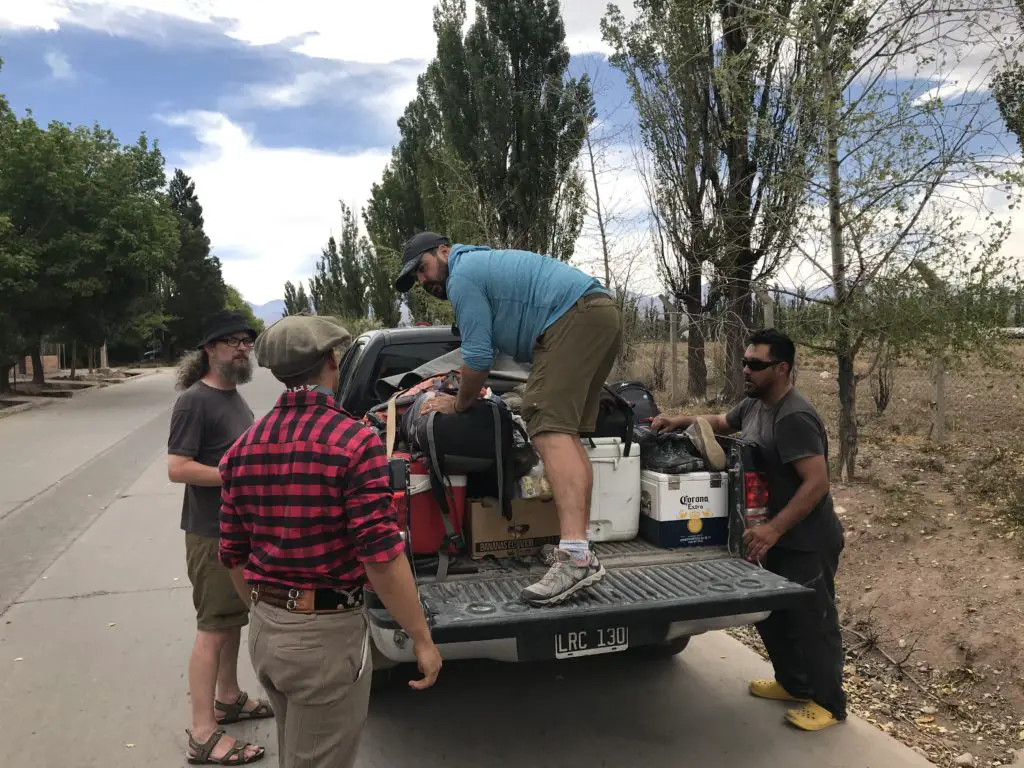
534,523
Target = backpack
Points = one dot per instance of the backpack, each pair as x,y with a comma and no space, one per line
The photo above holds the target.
615,418
640,397
478,443
446,383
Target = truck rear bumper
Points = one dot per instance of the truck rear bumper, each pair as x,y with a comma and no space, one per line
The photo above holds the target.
634,605
395,645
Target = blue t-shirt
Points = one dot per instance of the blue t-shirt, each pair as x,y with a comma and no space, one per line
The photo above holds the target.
504,299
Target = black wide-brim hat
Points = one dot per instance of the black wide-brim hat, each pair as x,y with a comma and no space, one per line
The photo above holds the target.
222,324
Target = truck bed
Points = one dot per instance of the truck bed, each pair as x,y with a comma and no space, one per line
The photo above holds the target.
645,590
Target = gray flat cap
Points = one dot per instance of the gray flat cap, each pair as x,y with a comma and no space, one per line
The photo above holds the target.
294,345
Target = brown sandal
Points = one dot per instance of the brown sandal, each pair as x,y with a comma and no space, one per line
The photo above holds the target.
235,756
234,713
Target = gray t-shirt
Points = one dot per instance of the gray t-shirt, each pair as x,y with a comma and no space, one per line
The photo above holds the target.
205,422
786,433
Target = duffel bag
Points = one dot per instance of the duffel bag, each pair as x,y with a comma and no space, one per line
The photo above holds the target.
638,396
615,418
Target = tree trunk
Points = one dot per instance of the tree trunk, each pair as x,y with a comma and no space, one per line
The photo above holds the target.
74,359
5,378
37,365
844,344
847,410
739,318
939,380
696,360
600,216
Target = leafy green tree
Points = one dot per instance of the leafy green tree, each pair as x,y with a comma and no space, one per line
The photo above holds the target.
894,157
235,303
726,105
296,302
194,285
489,148
1008,86
91,226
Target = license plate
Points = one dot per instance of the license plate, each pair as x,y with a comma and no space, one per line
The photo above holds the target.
591,642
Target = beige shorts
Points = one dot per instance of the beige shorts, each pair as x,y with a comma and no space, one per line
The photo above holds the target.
571,362
217,604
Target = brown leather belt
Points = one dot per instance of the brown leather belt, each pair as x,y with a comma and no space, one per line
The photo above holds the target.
309,600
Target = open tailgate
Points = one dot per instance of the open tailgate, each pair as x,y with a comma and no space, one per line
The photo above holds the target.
630,606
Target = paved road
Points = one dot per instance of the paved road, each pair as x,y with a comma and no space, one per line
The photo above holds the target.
95,632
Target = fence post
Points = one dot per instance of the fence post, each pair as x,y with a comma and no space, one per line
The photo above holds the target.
672,320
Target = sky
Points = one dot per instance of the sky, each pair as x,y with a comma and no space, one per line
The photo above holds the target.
277,110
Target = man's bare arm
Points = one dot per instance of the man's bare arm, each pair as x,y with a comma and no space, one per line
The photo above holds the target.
184,469
470,384
241,587
673,423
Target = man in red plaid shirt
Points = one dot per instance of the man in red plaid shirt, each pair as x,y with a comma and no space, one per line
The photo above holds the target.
307,517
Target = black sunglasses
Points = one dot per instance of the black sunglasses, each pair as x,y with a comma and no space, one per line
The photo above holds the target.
759,365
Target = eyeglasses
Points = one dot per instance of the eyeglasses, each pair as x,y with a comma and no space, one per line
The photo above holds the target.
759,365
235,341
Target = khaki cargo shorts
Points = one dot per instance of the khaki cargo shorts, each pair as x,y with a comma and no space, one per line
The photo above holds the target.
571,362
218,605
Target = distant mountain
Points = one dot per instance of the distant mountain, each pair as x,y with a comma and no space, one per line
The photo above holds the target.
269,312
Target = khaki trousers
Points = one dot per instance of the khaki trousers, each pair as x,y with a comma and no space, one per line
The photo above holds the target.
316,670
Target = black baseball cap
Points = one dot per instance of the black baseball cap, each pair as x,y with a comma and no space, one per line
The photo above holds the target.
414,249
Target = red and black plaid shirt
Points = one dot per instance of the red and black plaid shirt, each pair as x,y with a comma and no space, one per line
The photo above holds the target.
306,498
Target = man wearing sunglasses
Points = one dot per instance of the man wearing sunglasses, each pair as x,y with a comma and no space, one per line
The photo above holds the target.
208,417
802,539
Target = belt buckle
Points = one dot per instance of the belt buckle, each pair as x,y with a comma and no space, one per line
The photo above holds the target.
293,595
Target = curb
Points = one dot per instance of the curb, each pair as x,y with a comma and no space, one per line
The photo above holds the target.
42,402
45,402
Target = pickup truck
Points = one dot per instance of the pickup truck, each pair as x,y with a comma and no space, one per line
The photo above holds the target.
651,602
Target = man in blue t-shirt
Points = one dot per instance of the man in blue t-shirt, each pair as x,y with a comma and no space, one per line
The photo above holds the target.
540,310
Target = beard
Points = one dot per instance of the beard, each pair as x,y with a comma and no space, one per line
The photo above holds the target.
437,290
750,389
236,372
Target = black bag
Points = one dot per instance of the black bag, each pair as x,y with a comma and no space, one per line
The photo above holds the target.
615,418
478,443
640,397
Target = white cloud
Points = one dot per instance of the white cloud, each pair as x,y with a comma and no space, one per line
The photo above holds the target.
60,65
38,14
270,210
378,32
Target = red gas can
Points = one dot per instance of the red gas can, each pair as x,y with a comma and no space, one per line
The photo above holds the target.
426,527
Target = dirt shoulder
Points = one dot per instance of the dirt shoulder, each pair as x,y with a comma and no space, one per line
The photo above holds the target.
931,585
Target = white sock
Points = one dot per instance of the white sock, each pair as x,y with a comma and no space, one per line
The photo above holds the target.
579,550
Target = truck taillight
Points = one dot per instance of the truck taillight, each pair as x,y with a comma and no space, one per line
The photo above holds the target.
755,488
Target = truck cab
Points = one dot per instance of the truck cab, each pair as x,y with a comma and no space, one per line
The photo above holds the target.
651,602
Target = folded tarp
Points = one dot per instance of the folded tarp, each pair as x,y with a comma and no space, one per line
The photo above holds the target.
504,367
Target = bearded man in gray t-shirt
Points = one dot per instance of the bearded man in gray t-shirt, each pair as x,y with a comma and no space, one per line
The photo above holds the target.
802,538
208,417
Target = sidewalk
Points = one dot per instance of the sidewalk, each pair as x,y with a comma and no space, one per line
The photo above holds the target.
93,656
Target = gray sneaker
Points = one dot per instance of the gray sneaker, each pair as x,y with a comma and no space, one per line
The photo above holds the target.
563,580
547,554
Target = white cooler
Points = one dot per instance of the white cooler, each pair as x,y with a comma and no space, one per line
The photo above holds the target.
687,510
615,501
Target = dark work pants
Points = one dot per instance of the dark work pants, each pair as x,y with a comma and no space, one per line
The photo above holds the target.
804,643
